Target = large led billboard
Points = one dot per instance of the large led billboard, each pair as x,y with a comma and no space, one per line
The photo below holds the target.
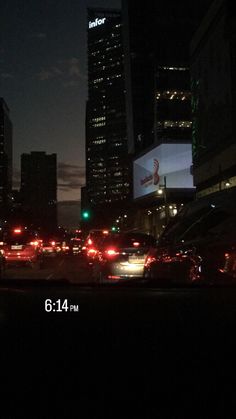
170,160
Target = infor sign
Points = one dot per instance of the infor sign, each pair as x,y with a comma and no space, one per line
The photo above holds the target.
97,22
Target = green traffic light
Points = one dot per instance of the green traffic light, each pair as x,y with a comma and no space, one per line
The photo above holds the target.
85,214
113,229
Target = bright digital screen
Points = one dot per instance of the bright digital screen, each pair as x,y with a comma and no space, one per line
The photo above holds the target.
173,161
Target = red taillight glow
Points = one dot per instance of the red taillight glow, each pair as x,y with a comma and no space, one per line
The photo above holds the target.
90,241
53,243
17,230
149,260
105,231
136,244
35,243
111,252
113,277
92,251
226,255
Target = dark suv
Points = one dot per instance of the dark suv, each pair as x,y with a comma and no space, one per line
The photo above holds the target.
199,245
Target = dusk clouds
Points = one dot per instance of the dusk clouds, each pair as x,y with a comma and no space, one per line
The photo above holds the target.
65,71
70,177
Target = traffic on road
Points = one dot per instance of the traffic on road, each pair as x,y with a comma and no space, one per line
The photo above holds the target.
196,247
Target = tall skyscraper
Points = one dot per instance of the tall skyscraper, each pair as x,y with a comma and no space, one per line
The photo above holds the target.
157,39
107,168
5,156
213,72
39,188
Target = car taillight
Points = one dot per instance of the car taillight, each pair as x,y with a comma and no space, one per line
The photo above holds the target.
136,244
149,260
92,251
65,247
111,252
53,243
17,230
34,243
90,242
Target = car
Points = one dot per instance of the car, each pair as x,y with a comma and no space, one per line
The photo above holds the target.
50,247
21,246
75,246
199,245
93,243
122,256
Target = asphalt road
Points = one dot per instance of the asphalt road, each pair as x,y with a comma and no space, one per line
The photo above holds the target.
72,268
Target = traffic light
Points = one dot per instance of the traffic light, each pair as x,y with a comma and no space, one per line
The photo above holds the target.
85,215
114,228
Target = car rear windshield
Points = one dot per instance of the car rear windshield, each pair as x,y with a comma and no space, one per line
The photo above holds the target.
19,240
129,240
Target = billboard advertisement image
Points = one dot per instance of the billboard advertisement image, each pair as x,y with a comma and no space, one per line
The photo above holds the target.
173,161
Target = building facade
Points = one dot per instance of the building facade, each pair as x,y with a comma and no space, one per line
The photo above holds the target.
157,37
213,70
39,189
107,163
5,157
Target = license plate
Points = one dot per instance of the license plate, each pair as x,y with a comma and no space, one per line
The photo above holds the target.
136,259
16,247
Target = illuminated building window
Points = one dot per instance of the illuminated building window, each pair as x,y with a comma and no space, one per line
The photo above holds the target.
174,68
98,119
173,95
175,124
99,141
98,80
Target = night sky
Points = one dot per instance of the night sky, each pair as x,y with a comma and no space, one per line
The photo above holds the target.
43,74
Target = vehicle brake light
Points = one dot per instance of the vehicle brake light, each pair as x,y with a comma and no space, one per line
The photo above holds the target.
136,244
17,230
111,252
226,255
149,260
92,251
35,243
53,243
105,231
90,241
